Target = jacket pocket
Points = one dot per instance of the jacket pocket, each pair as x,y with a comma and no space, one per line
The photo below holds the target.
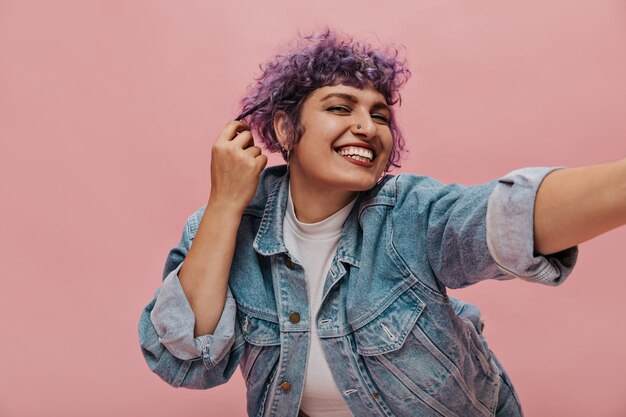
388,330
422,359
261,333
258,333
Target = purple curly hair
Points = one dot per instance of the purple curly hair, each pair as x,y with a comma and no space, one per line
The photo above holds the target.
318,60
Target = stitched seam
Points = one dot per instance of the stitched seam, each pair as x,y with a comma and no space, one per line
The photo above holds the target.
450,366
426,399
182,372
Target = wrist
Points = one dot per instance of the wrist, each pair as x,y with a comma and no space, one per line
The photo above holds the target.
224,207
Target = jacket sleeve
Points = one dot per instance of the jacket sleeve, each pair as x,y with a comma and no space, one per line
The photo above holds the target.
166,330
510,236
484,231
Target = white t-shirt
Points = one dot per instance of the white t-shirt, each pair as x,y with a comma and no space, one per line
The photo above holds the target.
314,246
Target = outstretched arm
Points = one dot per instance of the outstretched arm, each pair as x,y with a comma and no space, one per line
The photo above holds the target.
576,204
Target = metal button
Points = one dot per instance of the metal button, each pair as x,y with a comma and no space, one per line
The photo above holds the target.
288,263
294,317
375,394
285,386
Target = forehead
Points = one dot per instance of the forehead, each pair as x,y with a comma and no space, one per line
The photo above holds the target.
366,95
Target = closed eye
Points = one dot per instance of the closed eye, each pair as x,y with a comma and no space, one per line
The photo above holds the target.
380,117
339,109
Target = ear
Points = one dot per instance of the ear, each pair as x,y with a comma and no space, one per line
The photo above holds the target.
279,128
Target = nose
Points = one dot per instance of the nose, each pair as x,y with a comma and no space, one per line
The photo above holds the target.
364,127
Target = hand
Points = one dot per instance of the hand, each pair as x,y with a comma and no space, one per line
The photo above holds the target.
236,166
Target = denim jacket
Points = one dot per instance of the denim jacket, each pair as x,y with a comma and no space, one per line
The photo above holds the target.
396,344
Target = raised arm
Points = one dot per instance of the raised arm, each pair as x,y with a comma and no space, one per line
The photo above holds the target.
235,169
188,332
576,204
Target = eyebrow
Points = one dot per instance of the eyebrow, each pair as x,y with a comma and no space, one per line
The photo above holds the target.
352,99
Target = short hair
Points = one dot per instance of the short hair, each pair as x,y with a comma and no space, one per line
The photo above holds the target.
318,60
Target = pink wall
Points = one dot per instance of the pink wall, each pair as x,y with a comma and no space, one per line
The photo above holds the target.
107,114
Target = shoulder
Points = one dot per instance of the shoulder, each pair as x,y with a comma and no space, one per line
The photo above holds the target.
410,194
397,189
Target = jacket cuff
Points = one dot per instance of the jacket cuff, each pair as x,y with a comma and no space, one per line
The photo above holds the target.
510,235
174,322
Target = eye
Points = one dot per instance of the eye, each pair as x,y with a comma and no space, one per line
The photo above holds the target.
338,109
381,117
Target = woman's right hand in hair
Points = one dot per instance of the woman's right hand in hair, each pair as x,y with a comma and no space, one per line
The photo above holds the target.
236,165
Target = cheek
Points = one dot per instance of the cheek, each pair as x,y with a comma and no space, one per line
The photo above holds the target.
388,146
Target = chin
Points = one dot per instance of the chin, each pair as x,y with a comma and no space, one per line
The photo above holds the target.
361,184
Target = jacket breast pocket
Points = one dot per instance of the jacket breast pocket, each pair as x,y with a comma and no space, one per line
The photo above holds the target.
388,331
261,333
262,337
422,361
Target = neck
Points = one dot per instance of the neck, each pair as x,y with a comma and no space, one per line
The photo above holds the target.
315,205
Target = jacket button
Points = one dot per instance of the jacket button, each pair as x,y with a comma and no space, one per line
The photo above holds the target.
294,317
285,386
375,394
288,263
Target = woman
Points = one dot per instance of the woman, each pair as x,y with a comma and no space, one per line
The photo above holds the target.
325,279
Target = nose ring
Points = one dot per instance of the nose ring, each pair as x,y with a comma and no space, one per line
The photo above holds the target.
358,125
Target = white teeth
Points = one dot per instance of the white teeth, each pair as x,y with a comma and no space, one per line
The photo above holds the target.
360,154
359,158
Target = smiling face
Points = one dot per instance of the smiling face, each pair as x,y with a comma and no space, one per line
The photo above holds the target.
346,141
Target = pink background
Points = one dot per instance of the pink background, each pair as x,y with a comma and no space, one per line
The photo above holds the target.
108,110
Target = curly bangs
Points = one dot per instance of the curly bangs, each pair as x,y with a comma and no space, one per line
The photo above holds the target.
319,60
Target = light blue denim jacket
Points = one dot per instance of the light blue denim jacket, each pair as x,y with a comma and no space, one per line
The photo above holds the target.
396,344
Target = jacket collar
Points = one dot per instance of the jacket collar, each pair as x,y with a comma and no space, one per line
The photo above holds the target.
269,238
274,192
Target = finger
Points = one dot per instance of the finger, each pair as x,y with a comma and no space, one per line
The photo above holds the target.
262,161
230,130
254,151
243,140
